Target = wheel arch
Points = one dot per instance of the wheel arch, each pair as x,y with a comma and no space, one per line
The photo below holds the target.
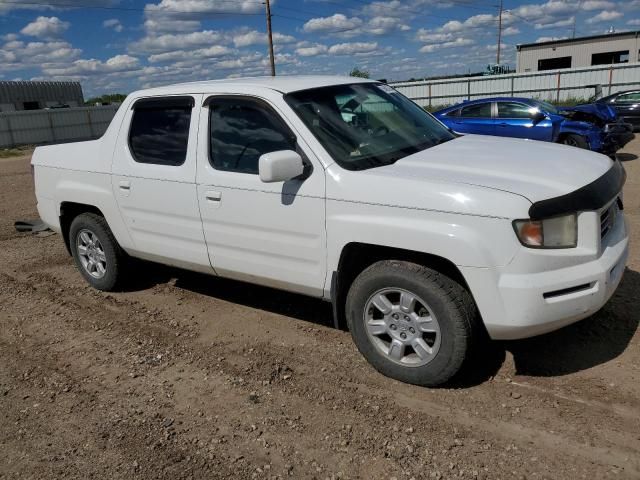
357,256
69,211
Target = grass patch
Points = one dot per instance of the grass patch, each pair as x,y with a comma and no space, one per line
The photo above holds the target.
16,151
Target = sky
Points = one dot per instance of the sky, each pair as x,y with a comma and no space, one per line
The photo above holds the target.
123,45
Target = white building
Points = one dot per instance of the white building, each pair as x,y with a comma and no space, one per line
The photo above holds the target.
609,49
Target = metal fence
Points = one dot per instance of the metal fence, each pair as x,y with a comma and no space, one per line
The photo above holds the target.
37,127
554,85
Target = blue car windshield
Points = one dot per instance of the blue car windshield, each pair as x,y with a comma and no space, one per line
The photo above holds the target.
366,125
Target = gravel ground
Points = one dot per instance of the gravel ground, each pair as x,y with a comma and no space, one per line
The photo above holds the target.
188,376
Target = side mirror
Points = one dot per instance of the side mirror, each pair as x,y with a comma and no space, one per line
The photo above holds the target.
538,117
280,166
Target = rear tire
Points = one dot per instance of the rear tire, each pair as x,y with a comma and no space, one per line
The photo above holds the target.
575,141
96,252
410,322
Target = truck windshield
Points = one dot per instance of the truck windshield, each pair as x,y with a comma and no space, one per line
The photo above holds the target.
366,125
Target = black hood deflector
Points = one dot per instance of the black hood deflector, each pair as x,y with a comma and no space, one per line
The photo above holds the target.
593,196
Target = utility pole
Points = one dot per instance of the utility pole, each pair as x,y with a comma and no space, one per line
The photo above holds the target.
271,59
573,33
499,34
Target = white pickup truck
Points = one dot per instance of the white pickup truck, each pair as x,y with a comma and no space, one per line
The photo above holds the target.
343,189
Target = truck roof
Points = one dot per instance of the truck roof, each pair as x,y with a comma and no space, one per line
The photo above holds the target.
282,83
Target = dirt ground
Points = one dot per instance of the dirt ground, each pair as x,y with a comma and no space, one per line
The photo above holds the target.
186,376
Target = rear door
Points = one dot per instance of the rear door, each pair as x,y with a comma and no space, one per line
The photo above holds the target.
476,119
267,233
516,119
153,177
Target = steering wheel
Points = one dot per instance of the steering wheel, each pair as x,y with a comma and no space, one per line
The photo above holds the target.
380,131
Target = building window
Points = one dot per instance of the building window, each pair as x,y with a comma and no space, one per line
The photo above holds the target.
31,105
553,63
608,58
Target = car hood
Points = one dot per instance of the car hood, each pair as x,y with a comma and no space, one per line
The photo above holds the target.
603,113
534,170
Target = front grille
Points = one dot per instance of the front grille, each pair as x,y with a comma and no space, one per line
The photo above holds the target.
608,219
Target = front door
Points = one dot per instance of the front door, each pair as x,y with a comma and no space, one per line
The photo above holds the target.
266,233
519,120
153,180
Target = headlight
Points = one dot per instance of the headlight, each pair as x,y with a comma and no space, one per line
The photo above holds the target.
556,232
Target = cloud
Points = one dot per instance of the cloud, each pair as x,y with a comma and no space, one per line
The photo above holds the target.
548,39
253,37
596,5
352,48
335,22
551,14
311,51
199,54
113,23
385,24
557,24
46,27
117,64
179,41
54,5
202,7
170,25
458,42
605,16
634,22
456,33
16,55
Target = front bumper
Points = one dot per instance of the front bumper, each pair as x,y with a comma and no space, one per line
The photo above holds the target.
616,136
515,303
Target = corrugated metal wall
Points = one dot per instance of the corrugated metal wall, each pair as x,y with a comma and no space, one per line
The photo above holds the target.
35,127
15,93
551,85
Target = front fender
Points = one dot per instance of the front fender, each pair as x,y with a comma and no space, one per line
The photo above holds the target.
593,134
464,240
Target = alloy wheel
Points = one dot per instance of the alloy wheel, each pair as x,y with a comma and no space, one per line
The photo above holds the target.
402,327
91,253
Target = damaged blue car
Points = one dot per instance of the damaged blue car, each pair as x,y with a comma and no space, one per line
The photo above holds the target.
592,126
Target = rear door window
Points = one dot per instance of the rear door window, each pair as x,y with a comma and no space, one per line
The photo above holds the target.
159,131
480,110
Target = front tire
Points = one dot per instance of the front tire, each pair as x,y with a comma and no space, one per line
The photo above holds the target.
96,252
575,141
410,322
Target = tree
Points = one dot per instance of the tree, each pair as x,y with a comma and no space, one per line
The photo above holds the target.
356,72
106,99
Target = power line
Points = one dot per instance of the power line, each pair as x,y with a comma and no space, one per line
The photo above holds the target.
130,9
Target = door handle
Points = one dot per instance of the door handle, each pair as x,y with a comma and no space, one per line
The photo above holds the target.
124,185
212,196
503,124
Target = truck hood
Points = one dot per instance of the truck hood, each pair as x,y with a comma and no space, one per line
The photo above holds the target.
531,169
